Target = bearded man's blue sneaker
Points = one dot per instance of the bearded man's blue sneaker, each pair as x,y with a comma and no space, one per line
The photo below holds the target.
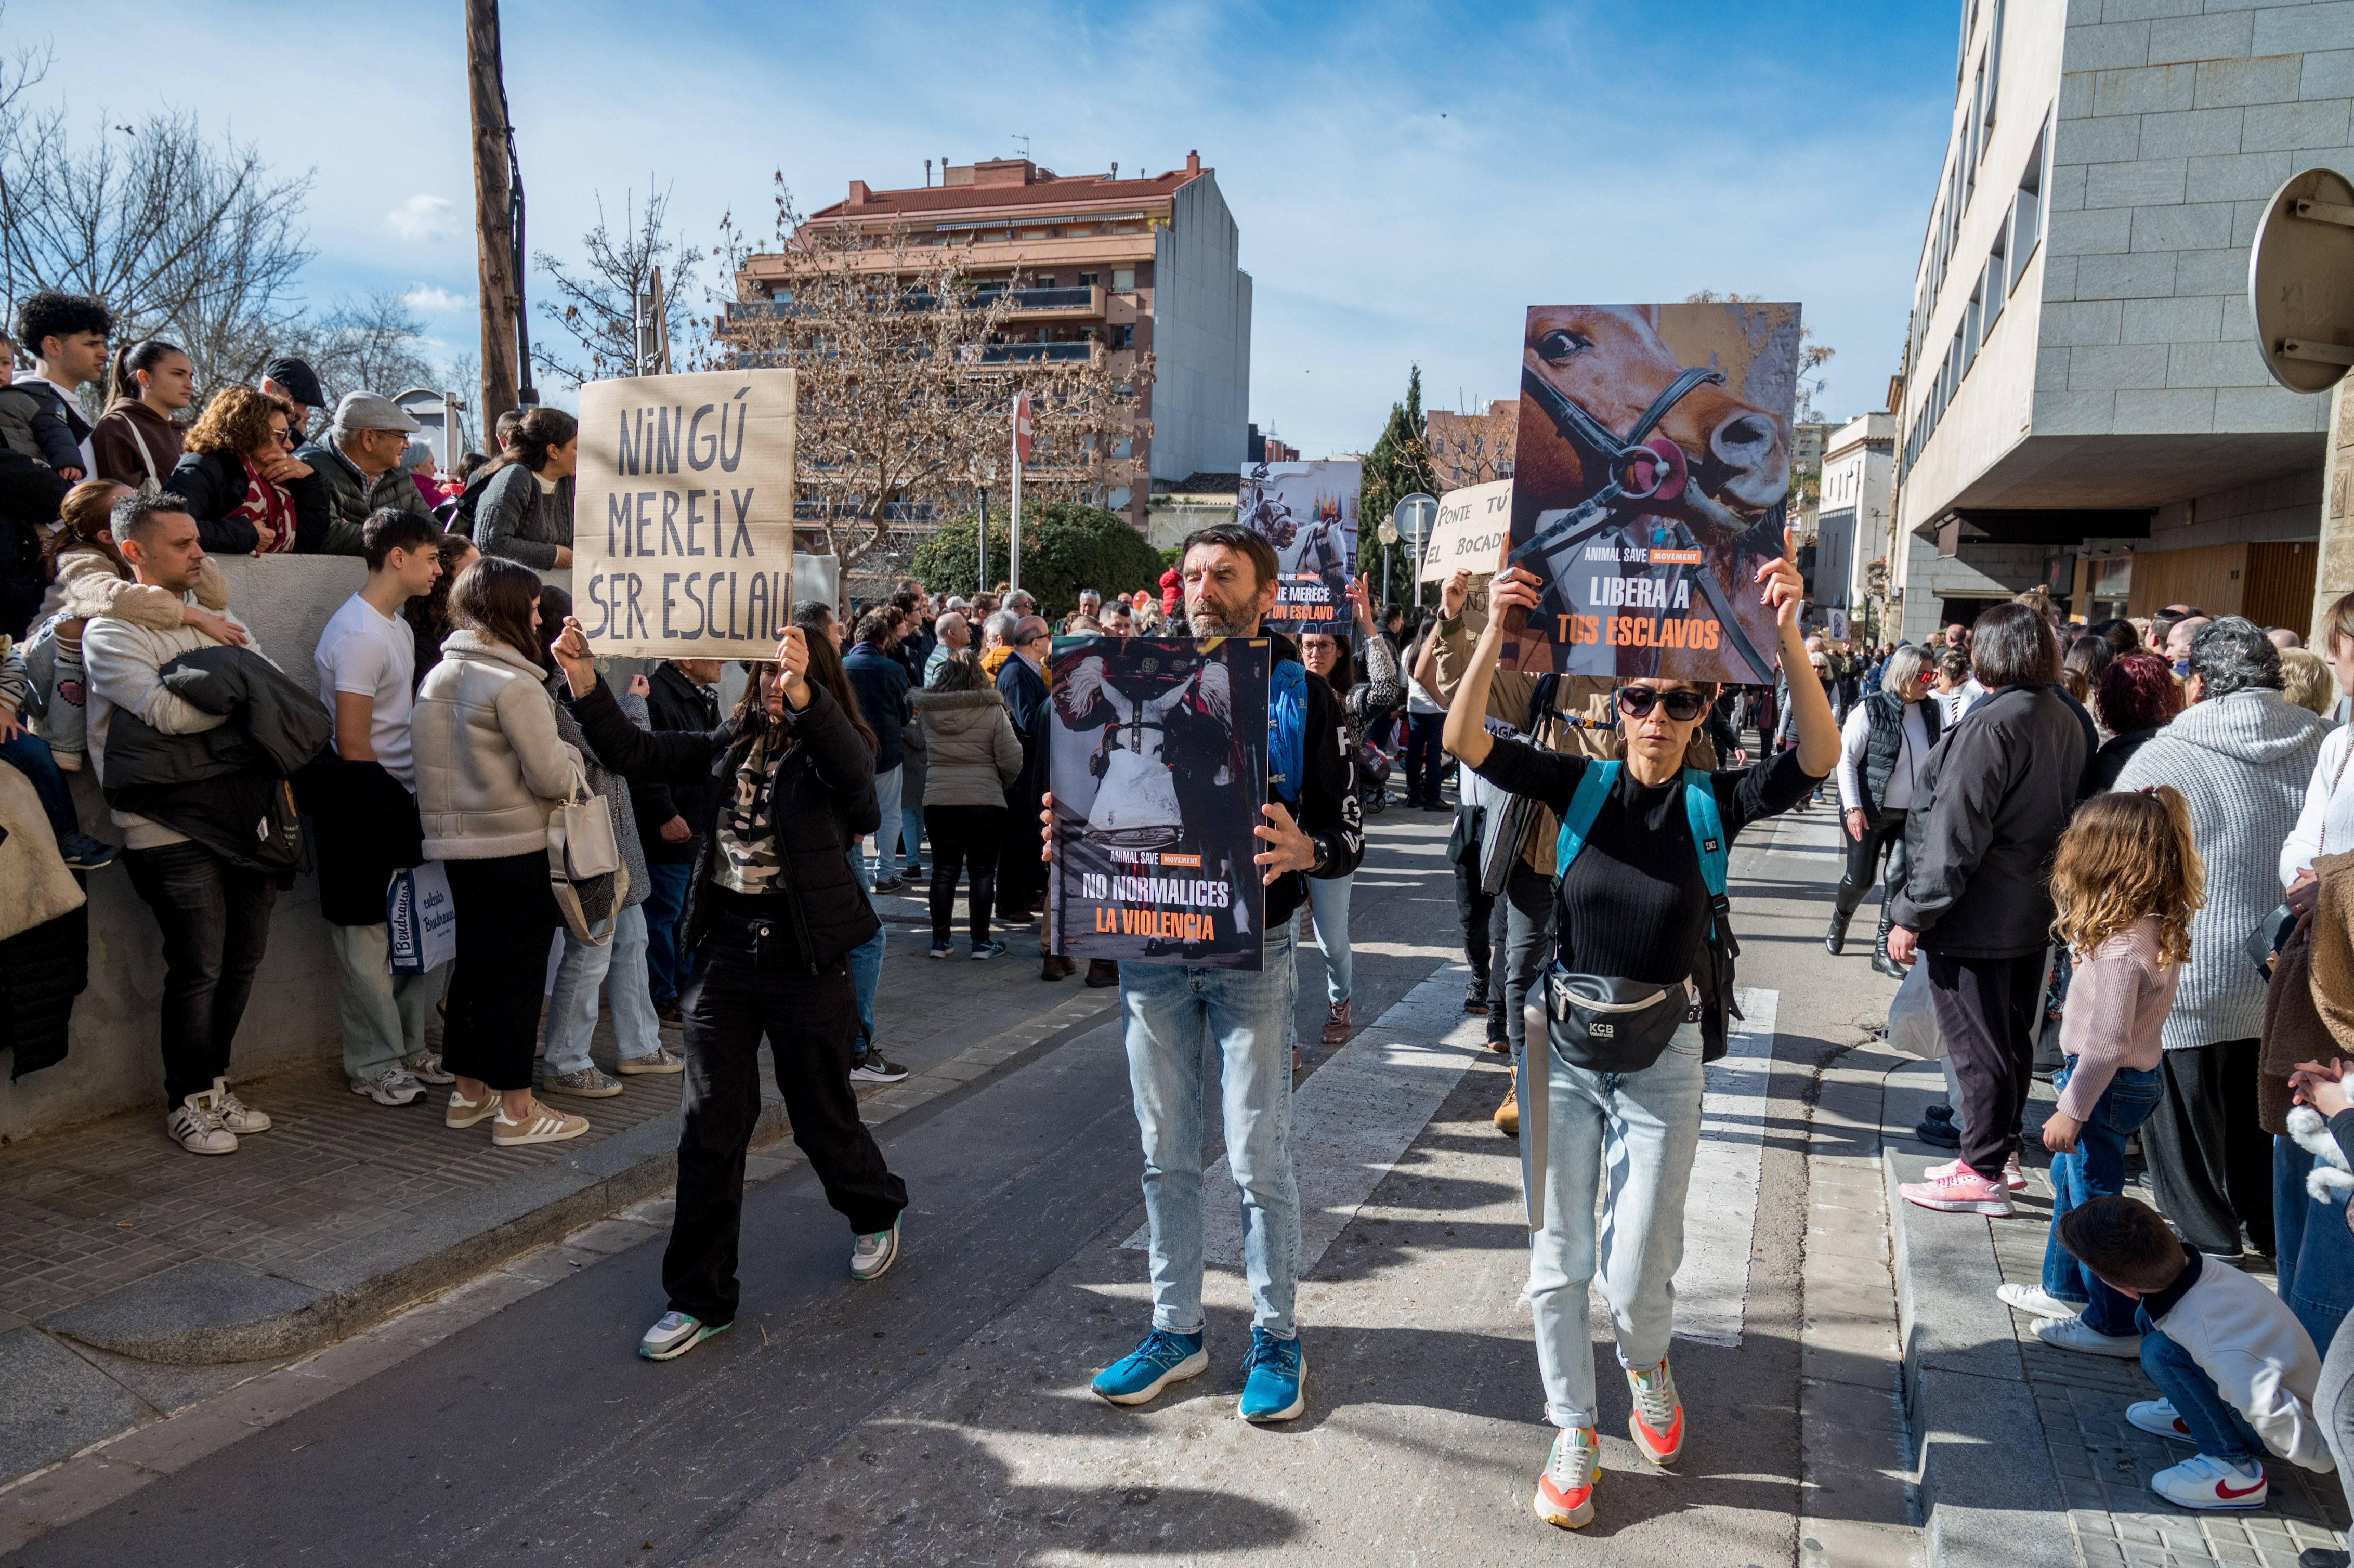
674,1334
1162,1359
1275,1386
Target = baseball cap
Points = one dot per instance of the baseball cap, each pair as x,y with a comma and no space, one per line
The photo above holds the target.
301,382
367,411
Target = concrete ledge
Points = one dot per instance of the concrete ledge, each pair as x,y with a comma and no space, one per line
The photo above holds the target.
1989,1496
206,1309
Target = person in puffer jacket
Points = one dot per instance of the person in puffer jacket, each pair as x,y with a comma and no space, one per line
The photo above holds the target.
974,757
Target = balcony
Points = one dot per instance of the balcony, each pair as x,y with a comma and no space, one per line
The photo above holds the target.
1035,353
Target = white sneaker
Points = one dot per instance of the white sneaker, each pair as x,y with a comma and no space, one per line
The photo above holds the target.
2156,1417
195,1126
870,1255
2033,1300
2075,1334
426,1068
236,1115
2202,1482
393,1086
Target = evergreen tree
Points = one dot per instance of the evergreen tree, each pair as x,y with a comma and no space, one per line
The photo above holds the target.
1398,466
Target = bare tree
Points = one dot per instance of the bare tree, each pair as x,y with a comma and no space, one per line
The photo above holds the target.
369,345
906,383
597,306
180,234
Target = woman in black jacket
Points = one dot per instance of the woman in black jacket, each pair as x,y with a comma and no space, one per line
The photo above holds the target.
771,915
248,491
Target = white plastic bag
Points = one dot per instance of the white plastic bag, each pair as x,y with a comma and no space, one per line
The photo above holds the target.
1913,1020
420,920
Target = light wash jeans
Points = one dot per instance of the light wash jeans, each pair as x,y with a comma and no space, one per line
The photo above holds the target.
1638,1133
1172,1010
866,959
887,795
384,1015
572,1005
911,836
1329,898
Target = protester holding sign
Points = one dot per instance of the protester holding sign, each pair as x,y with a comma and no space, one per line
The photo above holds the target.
1635,1000
1312,830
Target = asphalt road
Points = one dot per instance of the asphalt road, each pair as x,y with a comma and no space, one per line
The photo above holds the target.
939,1414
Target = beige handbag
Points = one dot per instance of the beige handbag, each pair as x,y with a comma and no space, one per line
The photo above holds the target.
584,867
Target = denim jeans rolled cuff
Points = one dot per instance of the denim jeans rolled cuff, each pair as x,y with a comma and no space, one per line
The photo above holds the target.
2096,1169
2220,1431
618,968
1644,1129
1171,1010
2314,1264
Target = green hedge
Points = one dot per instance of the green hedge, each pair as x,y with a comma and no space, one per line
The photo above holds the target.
1065,546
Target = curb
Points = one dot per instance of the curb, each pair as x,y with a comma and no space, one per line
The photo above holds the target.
207,1311
1966,1400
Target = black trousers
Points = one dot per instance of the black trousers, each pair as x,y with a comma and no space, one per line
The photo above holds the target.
1882,838
1020,874
1527,906
963,837
1987,1010
2211,1161
216,923
506,921
749,981
1474,909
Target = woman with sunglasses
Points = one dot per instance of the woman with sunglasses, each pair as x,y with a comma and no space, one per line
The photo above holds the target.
248,491
1634,907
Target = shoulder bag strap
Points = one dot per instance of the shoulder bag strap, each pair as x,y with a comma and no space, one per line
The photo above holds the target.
1585,805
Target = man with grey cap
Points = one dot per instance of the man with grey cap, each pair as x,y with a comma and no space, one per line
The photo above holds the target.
360,461
294,380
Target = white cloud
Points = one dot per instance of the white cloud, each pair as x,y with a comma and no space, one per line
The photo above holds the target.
430,299
423,219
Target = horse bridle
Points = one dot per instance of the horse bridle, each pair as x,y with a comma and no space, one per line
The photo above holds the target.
1665,480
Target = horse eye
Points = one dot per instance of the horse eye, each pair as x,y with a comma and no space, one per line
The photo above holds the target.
1557,347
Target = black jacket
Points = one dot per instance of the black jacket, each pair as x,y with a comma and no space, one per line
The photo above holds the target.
2110,759
213,483
364,827
823,796
1992,802
42,970
674,703
1329,811
30,494
881,683
1024,691
1883,744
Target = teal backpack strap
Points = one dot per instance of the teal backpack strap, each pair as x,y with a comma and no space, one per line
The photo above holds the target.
1707,832
1594,787
1286,730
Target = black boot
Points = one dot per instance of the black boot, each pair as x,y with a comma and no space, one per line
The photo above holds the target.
1880,959
1841,912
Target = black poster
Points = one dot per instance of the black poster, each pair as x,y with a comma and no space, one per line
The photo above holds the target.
1158,750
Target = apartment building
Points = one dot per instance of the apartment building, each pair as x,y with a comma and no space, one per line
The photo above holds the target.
1098,266
1471,449
2083,405
1854,511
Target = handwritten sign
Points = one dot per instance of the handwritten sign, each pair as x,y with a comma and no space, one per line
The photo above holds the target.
683,529
1469,532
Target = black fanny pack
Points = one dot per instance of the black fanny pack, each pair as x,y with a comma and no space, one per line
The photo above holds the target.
1607,1025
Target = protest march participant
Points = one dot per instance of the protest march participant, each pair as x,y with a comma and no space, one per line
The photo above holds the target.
772,914
1312,830
1638,892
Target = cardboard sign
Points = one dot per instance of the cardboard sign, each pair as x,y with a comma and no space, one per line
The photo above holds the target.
1468,531
1158,749
683,526
1652,466
1308,511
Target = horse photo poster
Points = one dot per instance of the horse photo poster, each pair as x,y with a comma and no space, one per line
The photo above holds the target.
1308,511
1651,476
1157,748
683,521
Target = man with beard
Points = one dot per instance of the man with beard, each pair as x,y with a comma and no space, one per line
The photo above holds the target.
1311,828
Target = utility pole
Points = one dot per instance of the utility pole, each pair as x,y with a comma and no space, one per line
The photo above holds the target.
507,368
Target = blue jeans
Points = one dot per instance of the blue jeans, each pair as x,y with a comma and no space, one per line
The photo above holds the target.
2314,1264
2221,1432
1171,1009
1631,1138
866,959
887,795
1329,898
572,1006
667,968
911,837
2096,1169
30,756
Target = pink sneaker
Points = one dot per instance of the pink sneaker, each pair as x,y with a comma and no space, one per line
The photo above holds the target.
2012,1176
1963,1192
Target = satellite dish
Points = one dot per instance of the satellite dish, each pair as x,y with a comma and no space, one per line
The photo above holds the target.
2301,281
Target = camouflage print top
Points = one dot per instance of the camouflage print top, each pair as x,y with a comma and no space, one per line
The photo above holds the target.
746,861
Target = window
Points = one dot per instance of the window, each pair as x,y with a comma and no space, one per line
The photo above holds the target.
1123,336
2027,210
1996,286
1971,142
1090,280
1993,63
1123,280
1973,327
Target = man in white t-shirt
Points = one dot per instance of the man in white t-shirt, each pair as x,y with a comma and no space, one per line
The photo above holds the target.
366,810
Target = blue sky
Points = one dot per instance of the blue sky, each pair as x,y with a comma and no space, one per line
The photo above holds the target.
1407,178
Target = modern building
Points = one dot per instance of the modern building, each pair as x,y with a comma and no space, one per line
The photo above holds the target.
1854,511
1104,266
1471,449
2083,404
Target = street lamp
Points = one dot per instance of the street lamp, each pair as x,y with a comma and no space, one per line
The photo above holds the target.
1411,516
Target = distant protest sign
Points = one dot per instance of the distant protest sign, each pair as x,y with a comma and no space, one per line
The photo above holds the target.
683,527
1308,511
1468,531
1651,481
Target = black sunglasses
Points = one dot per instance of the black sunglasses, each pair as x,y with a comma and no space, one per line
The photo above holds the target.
1682,705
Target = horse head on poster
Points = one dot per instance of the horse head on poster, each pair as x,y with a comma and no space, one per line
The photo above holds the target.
1610,363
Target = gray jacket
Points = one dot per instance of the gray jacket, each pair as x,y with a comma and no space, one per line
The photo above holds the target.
517,519
973,755
1992,801
610,785
2242,763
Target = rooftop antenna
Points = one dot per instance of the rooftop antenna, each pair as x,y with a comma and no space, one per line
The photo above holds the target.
1115,168
1023,139
927,174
